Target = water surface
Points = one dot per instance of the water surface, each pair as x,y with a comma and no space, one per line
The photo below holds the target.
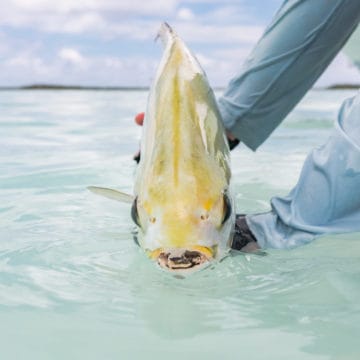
73,285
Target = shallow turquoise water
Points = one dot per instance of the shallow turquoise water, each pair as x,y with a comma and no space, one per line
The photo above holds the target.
74,286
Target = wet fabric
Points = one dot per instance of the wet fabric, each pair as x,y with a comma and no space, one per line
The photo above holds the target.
326,199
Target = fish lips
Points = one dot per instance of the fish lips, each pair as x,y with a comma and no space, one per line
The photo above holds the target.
182,260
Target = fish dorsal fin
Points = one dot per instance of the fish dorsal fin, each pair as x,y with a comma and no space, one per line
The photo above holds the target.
112,194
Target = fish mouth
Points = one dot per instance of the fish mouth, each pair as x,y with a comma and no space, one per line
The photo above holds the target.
179,260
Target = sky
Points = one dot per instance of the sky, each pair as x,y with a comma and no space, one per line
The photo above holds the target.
111,42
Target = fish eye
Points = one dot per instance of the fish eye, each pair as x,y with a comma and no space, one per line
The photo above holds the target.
227,208
134,213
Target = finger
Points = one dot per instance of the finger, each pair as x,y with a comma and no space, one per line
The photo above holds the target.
136,157
229,135
139,118
232,140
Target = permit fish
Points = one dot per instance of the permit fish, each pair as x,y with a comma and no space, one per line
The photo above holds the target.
182,202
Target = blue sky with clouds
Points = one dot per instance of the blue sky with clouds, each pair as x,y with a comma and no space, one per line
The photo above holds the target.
110,42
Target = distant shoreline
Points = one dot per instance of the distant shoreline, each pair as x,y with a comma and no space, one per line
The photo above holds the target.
138,88
74,87
344,87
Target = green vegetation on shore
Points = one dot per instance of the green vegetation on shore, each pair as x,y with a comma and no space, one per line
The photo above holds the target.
344,87
79,87
73,87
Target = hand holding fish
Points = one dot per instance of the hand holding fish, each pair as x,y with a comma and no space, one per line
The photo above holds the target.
182,203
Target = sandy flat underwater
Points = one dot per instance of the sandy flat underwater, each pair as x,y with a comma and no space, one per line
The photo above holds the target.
73,285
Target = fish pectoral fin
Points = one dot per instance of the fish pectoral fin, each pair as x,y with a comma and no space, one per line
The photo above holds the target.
112,194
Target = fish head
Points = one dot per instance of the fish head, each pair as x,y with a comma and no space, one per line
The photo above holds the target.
183,231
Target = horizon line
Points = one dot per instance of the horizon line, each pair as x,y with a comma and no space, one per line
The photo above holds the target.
41,86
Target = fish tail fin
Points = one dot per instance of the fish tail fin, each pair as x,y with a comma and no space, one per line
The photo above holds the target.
165,34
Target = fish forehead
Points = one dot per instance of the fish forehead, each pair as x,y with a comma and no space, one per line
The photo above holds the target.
181,227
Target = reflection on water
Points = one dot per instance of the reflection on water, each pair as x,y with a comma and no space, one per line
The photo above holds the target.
74,285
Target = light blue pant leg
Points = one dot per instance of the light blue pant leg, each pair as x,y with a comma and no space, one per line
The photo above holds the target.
326,199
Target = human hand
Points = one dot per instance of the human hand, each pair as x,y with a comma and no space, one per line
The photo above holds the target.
139,120
232,140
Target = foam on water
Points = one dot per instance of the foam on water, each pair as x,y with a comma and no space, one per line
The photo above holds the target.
74,285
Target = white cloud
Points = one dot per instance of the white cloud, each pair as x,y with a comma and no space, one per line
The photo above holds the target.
221,35
24,67
4,46
227,64
70,67
223,2
138,7
185,14
77,24
228,14
238,53
225,34
136,19
340,71
107,17
71,55
205,61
